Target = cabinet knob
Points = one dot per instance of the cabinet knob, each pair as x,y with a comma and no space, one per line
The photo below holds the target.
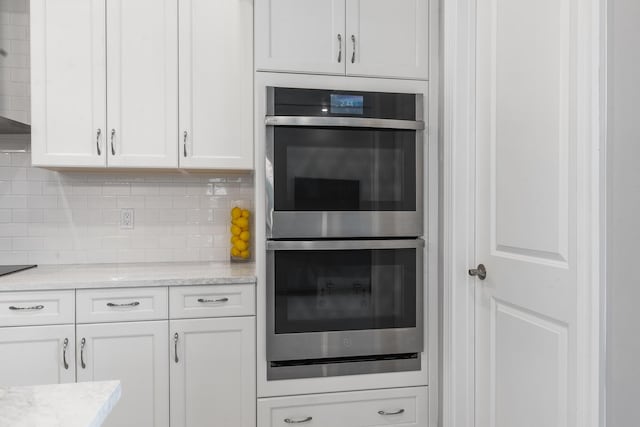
113,148
98,133
82,344
175,347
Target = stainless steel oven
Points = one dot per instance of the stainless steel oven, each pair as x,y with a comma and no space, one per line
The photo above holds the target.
344,164
343,307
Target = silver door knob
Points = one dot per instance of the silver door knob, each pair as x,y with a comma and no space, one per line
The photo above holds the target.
480,272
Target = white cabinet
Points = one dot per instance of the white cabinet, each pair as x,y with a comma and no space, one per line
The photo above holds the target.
306,36
32,355
136,354
216,84
142,83
213,372
376,38
68,74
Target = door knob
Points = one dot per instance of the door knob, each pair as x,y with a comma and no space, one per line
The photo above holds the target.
480,272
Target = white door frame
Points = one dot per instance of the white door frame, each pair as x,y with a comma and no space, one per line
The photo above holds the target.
458,204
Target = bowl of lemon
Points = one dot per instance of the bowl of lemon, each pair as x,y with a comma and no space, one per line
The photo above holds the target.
240,234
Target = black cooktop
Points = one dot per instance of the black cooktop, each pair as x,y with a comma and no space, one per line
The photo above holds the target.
8,269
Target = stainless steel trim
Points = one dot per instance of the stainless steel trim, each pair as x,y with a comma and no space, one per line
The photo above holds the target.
175,347
64,353
113,148
340,369
99,132
82,344
340,48
35,307
184,143
353,54
331,245
131,304
353,122
318,345
207,301
297,420
397,412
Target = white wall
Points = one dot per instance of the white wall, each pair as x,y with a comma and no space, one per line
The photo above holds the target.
623,212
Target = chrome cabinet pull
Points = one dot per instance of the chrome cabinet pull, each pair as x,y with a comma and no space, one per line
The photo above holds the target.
297,420
339,48
205,301
113,148
98,141
398,412
175,347
353,54
35,307
131,304
64,353
82,344
184,143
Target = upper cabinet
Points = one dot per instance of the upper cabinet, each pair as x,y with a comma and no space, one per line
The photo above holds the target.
375,38
142,83
216,84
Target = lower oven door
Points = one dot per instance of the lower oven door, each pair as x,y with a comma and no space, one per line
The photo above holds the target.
336,299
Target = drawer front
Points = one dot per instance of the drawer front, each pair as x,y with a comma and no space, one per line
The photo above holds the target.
192,302
37,308
406,407
121,305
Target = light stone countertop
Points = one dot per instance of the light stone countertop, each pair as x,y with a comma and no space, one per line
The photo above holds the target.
91,276
58,405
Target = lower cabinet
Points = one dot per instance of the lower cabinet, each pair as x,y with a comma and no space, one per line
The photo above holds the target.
136,354
406,407
32,355
213,372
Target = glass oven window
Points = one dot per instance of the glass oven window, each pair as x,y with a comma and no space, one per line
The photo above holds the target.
320,291
338,169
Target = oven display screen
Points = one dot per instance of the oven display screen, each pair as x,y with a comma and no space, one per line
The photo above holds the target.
347,104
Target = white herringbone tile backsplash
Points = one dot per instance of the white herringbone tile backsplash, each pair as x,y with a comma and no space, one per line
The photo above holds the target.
49,217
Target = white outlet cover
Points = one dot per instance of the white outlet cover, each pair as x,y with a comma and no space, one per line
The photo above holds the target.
127,218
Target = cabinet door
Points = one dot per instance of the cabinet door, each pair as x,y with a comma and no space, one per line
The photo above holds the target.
68,92
35,355
213,372
142,83
388,38
136,354
216,84
304,36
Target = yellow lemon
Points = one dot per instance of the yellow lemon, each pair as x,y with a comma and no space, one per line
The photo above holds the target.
245,235
241,245
235,222
235,230
242,223
234,238
235,252
245,213
245,254
236,212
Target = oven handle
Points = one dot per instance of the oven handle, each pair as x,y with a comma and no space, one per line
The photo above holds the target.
354,122
328,245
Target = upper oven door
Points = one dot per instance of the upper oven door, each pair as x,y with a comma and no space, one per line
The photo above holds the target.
352,166
333,298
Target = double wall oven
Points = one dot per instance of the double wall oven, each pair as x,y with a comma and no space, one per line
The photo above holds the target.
344,216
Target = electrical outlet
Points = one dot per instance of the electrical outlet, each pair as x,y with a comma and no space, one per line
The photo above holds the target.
126,218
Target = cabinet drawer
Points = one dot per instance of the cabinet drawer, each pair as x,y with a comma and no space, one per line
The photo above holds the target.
121,305
393,407
36,308
190,302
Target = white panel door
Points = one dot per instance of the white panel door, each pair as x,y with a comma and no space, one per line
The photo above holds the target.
142,83
388,38
306,36
526,234
216,84
136,354
35,355
213,372
68,92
